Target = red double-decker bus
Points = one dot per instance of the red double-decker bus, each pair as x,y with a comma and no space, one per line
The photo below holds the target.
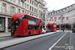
23,25
52,26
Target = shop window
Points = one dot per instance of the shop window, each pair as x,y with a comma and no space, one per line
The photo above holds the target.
9,25
2,24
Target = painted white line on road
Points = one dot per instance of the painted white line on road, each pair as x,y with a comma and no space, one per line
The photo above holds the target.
57,42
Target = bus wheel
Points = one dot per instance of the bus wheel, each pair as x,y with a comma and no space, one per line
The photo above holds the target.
29,33
39,32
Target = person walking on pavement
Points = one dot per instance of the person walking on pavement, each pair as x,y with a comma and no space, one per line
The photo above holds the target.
63,29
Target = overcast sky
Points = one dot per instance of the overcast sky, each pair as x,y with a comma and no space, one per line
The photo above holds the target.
58,4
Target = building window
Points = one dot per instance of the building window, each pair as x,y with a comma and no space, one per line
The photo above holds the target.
2,23
25,11
30,1
30,13
18,2
67,7
36,10
18,10
12,10
27,0
27,7
70,6
43,10
36,4
22,4
22,11
4,8
63,9
13,0
57,11
30,7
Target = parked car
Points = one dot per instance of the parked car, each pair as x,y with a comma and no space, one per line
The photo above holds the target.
43,31
48,30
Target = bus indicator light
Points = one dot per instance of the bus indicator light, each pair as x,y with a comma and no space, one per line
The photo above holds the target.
12,31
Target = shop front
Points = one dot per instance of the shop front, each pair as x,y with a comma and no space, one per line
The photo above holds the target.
66,26
2,24
9,25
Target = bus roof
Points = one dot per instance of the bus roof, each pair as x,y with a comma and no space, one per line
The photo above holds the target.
20,14
51,23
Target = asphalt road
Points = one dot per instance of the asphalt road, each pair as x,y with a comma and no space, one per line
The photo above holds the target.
63,44
66,43
43,43
72,41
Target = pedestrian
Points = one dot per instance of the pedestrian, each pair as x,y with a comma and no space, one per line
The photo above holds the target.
63,29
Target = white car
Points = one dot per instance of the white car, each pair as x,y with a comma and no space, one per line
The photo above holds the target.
43,31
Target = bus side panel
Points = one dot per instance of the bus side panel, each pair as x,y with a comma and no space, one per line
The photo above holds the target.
55,28
36,31
22,30
52,28
25,27
31,32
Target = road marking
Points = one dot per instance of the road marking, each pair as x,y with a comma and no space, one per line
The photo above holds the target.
67,44
57,42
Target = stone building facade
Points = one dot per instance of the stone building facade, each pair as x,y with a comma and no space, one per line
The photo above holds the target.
68,11
11,7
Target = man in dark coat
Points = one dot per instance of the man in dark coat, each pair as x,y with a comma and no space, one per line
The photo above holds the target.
63,29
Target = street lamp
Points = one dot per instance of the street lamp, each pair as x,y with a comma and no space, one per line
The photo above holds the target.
61,21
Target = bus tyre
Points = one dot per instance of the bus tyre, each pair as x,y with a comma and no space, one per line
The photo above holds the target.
29,33
39,32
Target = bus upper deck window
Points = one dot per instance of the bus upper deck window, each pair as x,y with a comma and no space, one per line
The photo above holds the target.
12,19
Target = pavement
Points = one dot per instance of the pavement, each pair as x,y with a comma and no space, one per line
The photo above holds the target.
3,34
9,33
